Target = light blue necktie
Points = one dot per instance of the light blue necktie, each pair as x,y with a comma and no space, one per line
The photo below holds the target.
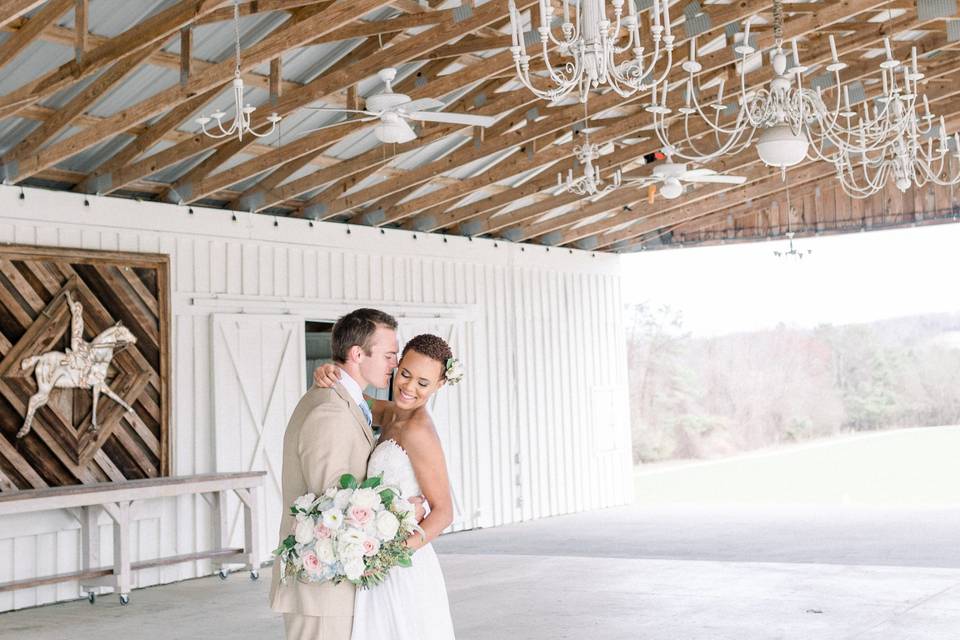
366,413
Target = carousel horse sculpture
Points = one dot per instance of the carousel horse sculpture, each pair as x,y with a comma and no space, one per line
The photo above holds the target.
83,366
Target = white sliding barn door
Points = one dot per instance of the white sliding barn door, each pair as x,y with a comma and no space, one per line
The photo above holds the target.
258,378
445,407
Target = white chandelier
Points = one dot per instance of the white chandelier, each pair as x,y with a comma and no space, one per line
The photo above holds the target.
791,123
591,183
904,145
591,46
242,112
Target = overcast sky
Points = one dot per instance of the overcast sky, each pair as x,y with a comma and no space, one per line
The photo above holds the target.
848,278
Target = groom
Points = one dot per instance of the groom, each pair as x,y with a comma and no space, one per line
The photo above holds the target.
328,435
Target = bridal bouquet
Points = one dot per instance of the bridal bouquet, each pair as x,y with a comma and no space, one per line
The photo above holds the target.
353,531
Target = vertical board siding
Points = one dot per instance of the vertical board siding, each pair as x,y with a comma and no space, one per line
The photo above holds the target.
538,332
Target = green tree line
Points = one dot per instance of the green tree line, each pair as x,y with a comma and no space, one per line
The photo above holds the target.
709,397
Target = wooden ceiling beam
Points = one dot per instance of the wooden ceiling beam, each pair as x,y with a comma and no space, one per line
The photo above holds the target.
160,58
289,35
264,195
67,114
706,205
938,89
728,14
816,56
115,174
13,9
199,181
47,15
346,76
255,7
156,28
421,174
521,162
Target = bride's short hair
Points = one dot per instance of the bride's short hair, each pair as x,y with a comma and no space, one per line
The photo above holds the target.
431,346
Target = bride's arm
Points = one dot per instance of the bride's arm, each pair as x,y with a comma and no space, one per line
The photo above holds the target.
422,444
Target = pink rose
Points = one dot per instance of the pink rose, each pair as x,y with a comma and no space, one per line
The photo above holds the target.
320,532
371,547
360,516
310,562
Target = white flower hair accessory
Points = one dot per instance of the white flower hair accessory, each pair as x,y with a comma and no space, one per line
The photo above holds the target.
454,371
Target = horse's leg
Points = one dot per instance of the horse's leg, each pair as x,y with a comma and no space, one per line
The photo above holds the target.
113,396
96,401
38,399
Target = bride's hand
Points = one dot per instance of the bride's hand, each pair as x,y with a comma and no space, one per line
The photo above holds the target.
326,375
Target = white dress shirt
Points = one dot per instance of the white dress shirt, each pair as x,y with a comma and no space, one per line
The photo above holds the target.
353,388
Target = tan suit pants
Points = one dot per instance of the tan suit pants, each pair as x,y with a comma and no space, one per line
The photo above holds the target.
300,627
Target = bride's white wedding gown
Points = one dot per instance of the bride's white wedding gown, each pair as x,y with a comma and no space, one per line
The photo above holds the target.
411,604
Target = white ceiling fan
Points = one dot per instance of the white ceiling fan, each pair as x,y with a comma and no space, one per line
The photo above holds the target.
395,110
671,177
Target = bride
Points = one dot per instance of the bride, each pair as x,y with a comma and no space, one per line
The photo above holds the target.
411,604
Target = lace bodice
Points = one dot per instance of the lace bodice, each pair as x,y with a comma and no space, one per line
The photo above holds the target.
391,460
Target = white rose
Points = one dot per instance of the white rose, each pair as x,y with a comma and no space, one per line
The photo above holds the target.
331,492
304,501
366,498
352,536
354,569
325,552
387,525
332,519
349,551
342,499
304,532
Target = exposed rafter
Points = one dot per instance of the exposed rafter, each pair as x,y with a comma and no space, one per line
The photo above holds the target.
499,181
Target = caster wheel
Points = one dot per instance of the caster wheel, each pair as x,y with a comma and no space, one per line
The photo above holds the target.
254,575
223,574
92,597
124,599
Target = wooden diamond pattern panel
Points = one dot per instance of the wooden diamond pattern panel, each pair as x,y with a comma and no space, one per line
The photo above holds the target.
62,448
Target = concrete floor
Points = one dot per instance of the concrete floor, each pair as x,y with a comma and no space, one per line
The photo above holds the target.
638,572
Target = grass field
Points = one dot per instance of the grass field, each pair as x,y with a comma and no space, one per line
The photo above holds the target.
916,467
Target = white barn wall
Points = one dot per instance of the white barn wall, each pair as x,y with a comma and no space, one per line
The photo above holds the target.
538,428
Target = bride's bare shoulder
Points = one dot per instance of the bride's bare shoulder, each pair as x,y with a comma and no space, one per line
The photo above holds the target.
420,431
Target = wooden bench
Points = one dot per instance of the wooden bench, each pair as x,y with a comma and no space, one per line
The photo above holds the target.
115,498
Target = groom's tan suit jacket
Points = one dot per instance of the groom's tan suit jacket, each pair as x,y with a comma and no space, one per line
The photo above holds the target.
326,437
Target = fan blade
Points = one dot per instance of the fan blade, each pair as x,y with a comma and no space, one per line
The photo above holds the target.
339,110
342,122
642,182
714,179
422,105
452,118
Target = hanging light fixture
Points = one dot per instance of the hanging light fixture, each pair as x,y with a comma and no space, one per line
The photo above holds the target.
242,112
589,45
591,182
789,122
914,152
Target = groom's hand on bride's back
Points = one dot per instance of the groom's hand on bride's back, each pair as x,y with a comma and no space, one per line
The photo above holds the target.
326,375
418,504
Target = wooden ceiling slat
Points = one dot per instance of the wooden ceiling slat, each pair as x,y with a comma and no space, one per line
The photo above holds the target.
66,115
289,35
13,9
194,182
156,28
19,41
937,90
344,77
